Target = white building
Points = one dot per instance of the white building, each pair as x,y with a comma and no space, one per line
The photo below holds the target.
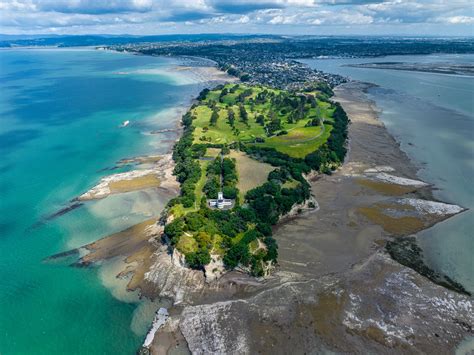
221,202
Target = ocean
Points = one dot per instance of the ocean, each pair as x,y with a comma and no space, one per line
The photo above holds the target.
432,116
60,115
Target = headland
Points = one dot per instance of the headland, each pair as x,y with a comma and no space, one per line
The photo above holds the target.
334,285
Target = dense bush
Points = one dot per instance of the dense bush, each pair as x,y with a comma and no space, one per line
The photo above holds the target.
199,259
237,230
187,170
203,94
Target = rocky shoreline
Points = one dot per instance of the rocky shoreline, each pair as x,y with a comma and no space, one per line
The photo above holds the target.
336,287
159,174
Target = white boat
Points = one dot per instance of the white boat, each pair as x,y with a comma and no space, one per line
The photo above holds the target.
125,123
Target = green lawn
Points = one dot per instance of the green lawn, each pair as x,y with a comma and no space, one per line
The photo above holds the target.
221,133
300,147
187,244
202,181
179,210
290,184
299,141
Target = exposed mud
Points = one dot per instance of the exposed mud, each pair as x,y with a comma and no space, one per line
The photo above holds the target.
336,288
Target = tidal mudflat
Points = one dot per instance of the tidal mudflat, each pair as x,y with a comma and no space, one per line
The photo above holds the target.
342,290
430,114
337,289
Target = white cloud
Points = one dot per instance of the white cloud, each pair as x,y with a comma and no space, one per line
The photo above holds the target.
78,6
458,20
136,16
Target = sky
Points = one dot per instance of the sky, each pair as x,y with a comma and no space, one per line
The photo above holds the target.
310,17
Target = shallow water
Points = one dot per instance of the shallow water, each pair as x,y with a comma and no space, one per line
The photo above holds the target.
432,116
60,113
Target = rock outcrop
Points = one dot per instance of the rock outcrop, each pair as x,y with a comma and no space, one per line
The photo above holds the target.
173,280
379,306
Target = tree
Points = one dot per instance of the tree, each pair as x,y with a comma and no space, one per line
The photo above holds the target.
230,192
314,160
266,209
238,253
198,259
231,116
204,240
245,77
243,114
273,126
233,71
174,230
211,188
234,88
194,221
229,172
313,122
223,93
272,249
225,150
214,117
203,94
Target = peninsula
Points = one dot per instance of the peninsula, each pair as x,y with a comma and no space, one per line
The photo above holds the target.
289,187
236,177
286,134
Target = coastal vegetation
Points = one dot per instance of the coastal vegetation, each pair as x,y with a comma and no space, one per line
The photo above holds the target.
254,144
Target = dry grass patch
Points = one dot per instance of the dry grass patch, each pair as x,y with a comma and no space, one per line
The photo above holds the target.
212,152
138,183
252,173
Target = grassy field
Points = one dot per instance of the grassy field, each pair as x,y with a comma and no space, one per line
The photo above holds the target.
187,244
300,147
252,173
294,139
201,182
290,184
294,136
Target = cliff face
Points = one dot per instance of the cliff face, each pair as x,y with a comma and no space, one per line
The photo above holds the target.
336,288
169,277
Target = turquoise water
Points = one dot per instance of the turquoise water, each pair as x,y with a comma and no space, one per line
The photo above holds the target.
60,113
432,116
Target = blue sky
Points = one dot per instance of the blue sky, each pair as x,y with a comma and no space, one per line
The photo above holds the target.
315,17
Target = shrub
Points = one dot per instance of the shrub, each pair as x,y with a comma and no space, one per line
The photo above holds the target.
198,259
